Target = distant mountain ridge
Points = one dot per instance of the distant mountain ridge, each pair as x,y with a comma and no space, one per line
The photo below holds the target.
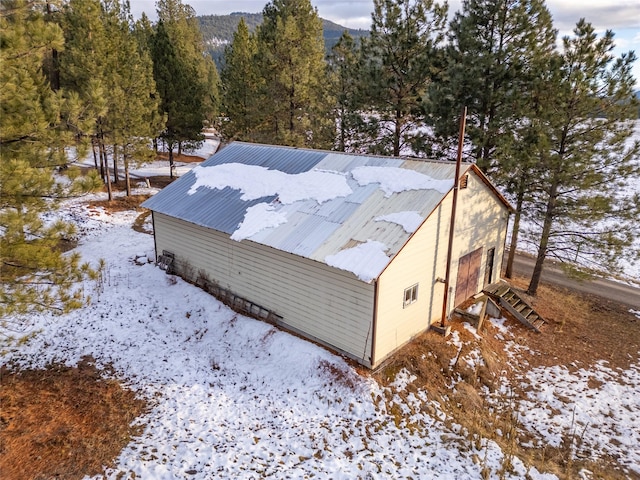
218,31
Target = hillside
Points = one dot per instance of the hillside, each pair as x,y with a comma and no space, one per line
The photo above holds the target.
218,31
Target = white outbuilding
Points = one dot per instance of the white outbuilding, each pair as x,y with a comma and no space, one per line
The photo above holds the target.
346,250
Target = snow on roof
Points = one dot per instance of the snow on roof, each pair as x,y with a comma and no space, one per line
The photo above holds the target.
258,218
395,180
366,260
311,203
410,221
258,182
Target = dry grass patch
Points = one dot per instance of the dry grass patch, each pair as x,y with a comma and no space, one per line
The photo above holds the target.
181,158
581,330
120,204
63,422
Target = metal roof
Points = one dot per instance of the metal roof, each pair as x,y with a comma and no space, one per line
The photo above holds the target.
312,230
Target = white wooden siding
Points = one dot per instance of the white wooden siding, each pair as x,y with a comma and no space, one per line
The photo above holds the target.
416,263
315,300
481,221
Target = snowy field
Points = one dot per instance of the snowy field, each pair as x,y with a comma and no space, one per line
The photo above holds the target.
232,397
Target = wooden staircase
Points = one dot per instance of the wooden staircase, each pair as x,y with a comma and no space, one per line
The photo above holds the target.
514,304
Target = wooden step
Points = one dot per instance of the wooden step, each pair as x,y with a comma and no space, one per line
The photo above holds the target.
502,290
538,323
518,307
508,295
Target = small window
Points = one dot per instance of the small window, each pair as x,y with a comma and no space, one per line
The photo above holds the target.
410,295
464,181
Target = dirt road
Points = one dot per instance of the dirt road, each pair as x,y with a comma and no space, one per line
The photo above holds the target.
616,291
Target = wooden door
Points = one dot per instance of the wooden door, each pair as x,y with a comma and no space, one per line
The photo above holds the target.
468,275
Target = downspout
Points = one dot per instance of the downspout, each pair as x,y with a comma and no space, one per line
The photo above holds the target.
155,239
456,183
374,324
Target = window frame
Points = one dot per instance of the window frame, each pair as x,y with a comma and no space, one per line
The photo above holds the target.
410,295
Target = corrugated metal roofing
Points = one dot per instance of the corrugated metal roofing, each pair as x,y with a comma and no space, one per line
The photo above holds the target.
312,230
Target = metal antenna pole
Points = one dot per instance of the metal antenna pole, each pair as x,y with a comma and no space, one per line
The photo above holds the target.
456,183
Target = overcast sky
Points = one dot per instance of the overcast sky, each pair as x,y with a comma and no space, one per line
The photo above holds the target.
621,16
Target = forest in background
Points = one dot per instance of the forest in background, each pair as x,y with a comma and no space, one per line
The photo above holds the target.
218,31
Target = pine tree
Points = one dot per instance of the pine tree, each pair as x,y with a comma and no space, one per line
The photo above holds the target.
240,86
491,60
585,213
34,274
346,88
183,74
82,67
293,95
400,55
131,116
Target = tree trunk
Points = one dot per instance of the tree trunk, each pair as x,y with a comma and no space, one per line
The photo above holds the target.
54,74
343,132
544,241
170,148
116,176
104,166
396,134
515,231
95,155
127,183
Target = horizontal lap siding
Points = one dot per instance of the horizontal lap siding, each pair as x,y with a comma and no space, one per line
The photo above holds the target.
323,303
415,263
481,221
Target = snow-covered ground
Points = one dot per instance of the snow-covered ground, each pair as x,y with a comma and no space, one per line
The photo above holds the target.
233,397
161,167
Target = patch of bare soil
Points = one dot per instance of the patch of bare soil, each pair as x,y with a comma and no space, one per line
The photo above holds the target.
580,331
179,158
120,204
63,422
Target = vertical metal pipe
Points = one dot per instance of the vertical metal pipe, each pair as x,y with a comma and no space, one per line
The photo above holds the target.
456,183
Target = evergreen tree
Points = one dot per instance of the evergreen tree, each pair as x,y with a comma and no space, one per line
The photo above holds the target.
497,61
493,55
240,86
131,117
82,68
346,87
293,95
183,74
399,56
34,273
585,213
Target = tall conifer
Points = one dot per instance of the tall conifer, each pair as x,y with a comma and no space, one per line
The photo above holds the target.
586,214
294,90
344,63
490,64
132,111
183,73
34,273
400,56
240,86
